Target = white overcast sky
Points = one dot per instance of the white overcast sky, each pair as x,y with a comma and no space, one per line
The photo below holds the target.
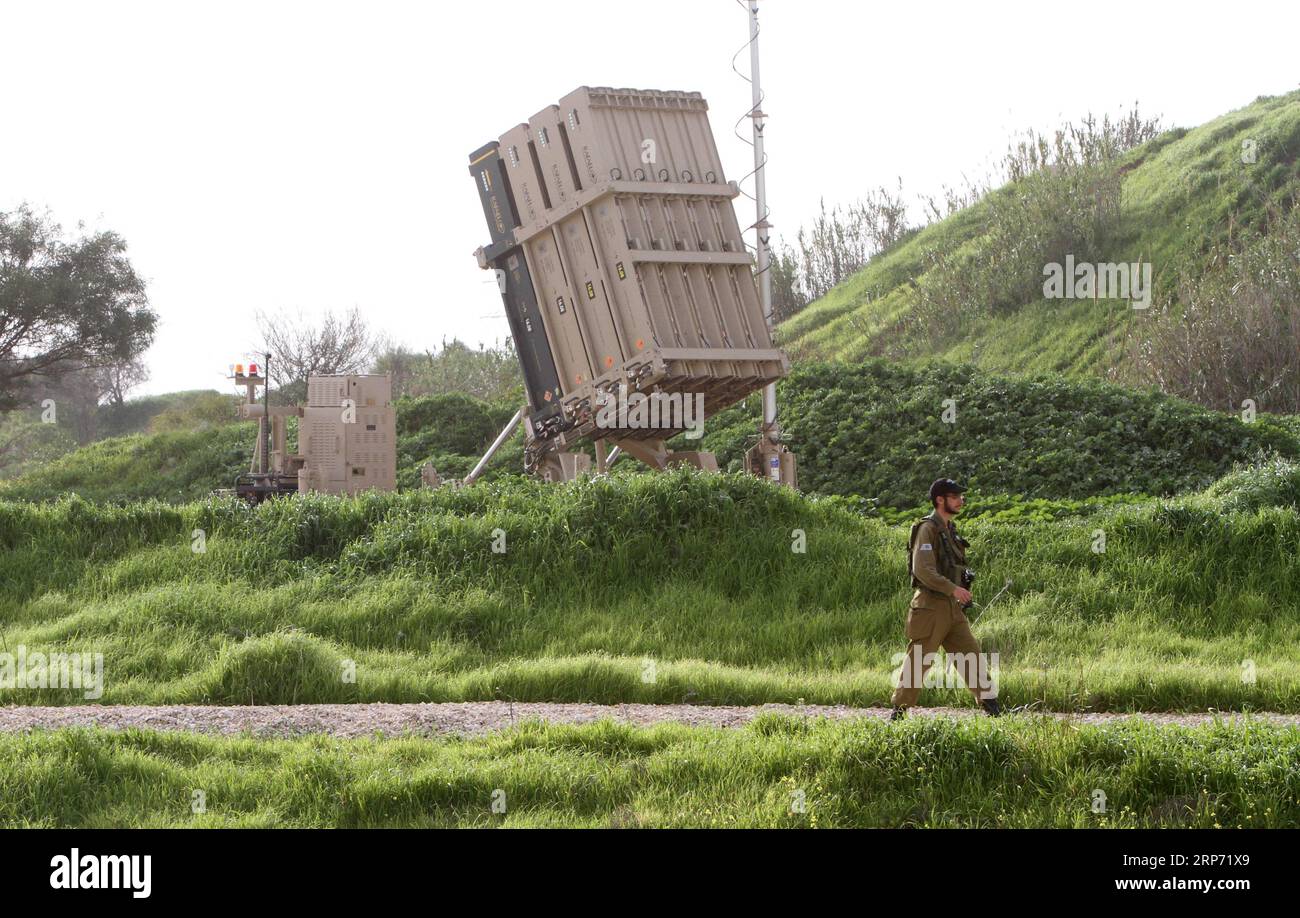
313,156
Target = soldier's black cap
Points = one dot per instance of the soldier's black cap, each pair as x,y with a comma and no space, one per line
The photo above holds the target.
945,486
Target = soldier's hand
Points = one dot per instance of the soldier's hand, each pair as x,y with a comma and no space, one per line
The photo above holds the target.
962,595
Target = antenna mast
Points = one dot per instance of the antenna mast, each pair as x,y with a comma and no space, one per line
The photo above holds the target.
768,457
771,429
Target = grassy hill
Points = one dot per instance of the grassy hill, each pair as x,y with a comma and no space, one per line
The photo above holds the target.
872,430
697,573
169,410
187,464
876,429
1181,194
174,466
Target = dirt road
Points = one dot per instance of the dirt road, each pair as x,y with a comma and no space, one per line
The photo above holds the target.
476,717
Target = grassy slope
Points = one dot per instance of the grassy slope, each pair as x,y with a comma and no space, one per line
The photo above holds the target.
177,466
693,572
135,415
875,429
923,773
451,431
1187,189
871,429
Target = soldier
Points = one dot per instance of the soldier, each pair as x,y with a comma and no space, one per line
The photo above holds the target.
936,616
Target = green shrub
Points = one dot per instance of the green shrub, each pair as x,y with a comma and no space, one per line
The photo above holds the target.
174,466
454,423
205,410
875,430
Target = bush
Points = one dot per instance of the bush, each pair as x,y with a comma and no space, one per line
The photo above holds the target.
454,423
1062,198
202,411
875,430
1234,331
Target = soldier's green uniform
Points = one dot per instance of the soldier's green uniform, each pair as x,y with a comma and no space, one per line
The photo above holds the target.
934,618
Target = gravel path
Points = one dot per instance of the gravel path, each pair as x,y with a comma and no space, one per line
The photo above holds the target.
472,718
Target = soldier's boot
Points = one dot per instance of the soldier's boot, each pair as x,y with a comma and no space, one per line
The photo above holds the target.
991,707
898,713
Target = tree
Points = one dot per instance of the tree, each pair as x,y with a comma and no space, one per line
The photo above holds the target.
842,240
488,372
65,303
81,391
399,362
339,345
787,287
120,378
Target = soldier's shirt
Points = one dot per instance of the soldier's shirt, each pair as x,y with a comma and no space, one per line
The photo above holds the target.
937,561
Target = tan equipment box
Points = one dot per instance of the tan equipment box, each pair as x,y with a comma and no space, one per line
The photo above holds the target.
348,435
331,391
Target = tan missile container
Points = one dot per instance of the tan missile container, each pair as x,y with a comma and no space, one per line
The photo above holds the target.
621,263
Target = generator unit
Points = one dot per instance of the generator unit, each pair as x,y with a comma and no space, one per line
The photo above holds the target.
347,438
348,435
624,274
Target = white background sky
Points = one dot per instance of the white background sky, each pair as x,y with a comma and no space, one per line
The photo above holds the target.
314,156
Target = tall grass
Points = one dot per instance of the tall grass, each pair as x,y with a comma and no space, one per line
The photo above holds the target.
697,573
1184,194
778,771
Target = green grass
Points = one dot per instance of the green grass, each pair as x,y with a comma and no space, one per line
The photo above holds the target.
694,572
176,466
1183,192
876,430
776,772
136,415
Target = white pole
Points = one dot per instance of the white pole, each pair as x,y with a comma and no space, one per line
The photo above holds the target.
760,204
496,444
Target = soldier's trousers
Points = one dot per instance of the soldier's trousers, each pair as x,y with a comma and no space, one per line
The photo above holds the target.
945,626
